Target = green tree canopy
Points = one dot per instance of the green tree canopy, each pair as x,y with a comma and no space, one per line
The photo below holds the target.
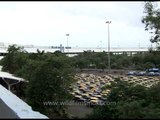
152,20
132,102
49,76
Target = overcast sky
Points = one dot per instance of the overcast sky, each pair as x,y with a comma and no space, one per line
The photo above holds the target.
47,23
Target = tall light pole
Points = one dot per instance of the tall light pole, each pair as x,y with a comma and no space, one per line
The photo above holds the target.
109,66
67,42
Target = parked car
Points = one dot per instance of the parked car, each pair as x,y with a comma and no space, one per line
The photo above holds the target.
131,73
142,73
153,70
151,74
157,73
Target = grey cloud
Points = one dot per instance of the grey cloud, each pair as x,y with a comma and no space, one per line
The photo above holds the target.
128,12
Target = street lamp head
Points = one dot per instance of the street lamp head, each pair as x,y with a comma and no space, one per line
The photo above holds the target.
108,21
67,34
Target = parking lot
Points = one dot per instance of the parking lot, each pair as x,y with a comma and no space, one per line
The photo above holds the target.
89,87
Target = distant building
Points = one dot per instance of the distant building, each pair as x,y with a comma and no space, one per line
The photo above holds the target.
61,48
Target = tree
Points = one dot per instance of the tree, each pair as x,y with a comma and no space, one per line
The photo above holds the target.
102,66
132,101
124,91
152,20
49,80
104,112
137,110
14,59
49,76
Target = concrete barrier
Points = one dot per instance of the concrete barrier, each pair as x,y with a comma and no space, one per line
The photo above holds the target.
13,107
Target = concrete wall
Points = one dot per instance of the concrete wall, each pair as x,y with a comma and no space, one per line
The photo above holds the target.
13,107
6,112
